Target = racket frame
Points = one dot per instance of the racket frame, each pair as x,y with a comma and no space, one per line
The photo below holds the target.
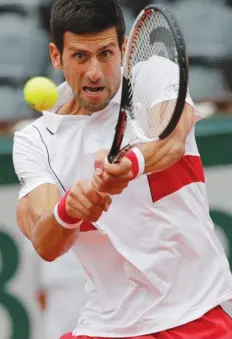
124,112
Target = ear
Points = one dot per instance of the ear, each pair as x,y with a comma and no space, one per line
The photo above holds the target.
124,48
55,57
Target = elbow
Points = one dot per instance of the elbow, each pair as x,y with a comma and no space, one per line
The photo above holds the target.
50,253
46,253
46,256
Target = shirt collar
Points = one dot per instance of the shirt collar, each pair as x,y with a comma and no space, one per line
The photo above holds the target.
53,120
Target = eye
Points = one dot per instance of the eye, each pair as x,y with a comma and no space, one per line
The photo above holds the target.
80,56
106,54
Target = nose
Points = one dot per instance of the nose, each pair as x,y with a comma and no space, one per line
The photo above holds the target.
94,71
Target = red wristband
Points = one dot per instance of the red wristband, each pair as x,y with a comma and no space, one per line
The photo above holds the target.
137,160
62,217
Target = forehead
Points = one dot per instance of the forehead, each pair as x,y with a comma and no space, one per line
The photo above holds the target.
91,42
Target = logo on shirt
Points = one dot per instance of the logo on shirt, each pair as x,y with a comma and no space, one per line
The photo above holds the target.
174,88
22,182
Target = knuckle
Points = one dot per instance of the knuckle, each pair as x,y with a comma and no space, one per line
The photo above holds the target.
84,186
69,209
88,190
98,184
91,207
71,194
106,178
88,205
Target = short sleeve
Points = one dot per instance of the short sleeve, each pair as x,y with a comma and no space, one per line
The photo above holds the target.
157,80
30,161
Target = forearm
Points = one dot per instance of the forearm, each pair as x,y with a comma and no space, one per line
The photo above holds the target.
164,153
52,223
161,155
51,240
35,217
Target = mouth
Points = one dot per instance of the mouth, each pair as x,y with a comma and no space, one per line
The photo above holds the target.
93,90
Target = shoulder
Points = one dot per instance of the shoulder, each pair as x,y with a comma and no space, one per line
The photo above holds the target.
28,138
154,75
157,65
29,131
30,158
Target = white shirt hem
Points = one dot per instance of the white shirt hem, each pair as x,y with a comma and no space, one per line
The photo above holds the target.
148,328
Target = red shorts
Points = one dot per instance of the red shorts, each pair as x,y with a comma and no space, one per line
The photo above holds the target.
216,324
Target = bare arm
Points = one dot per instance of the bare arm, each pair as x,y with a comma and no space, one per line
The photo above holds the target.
164,153
36,219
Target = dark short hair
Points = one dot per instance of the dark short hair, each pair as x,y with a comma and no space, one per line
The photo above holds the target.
85,17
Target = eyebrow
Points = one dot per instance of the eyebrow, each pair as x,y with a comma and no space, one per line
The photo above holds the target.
110,45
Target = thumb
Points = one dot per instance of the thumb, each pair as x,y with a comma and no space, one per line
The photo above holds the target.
99,162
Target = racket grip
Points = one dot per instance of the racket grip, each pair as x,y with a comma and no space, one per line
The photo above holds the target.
110,158
138,162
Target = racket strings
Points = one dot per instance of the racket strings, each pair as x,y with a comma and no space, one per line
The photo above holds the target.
153,38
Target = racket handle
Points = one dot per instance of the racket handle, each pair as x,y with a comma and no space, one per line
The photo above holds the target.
111,158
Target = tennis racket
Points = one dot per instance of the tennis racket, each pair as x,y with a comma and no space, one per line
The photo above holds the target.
154,35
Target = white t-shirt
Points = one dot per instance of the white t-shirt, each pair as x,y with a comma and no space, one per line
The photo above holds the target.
153,260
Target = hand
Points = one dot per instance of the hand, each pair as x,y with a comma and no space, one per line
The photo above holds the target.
111,178
85,203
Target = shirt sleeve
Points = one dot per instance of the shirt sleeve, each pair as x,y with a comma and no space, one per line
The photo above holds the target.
157,80
30,161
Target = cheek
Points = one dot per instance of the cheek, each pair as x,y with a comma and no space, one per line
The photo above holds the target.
74,76
115,73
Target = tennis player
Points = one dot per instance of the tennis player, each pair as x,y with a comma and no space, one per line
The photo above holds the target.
141,228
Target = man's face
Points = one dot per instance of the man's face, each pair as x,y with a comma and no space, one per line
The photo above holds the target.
91,65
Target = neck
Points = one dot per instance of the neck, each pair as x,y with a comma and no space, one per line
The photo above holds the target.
73,107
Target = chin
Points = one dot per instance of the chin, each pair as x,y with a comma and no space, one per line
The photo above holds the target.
91,107
96,108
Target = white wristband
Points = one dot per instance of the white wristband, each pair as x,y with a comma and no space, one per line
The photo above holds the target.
62,223
137,160
141,160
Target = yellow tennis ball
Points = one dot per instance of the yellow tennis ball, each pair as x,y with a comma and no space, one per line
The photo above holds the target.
40,93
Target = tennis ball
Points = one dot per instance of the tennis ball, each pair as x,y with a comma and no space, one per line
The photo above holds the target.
40,93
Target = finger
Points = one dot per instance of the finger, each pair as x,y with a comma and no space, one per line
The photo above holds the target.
99,162
76,195
123,167
109,178
76,210
116,190
105,183
91,193
110,188
95,213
